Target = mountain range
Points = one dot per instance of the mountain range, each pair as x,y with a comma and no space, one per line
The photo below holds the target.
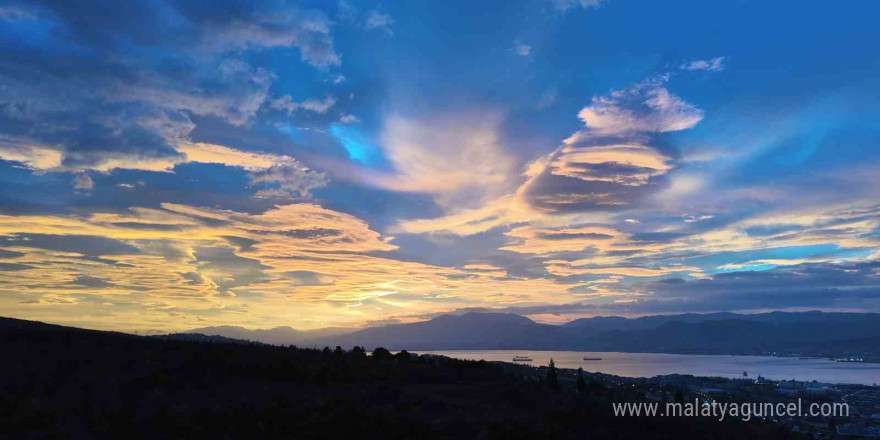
801,333
277,336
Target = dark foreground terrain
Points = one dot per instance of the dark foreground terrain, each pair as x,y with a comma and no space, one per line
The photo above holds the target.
59,382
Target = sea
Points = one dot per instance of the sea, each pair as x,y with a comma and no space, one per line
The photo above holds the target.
656,364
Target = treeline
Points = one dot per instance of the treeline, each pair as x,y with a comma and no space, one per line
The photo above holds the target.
58,382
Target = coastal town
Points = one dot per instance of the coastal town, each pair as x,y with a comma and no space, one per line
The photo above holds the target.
862,402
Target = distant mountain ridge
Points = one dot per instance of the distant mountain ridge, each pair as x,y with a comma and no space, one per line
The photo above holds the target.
278,336
793,333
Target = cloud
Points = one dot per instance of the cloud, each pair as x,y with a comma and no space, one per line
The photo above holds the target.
273,175
521,49
457,158
647,107
83,182
135,78
827,285
91,282
629,165
85,245
287,178
542,240
210,153
287,104
347,11
847,287
379,20
559,186
562,214
30,156
15,14
694,219
505,211
177,263
712,65
565,269
564,5
369,20
307,30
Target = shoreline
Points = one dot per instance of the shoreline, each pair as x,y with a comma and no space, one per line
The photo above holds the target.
864,360
649,365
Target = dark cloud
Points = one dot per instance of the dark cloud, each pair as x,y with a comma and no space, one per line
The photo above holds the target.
118,83
9,267
564,194
167,249
619,173
243,244
821,286
462,276
572,236
657,237
456,251
194,26
236,270
93,282
194,279
87,245
150,226
107,261
287,179
9,254
854,285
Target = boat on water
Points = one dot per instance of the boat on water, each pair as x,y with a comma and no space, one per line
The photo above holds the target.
592,359
522,359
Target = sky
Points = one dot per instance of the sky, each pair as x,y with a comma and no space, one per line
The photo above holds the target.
172,164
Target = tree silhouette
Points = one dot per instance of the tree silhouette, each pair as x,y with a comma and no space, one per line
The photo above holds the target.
581,383
552,376
382,353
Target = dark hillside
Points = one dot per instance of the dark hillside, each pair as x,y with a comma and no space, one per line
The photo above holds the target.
59,382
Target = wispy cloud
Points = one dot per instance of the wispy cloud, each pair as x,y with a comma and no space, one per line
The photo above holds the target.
457,158
716,64
379,20
564,5
521,49
287,104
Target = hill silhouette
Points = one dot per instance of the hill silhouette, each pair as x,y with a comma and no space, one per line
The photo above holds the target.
278,335
60,382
